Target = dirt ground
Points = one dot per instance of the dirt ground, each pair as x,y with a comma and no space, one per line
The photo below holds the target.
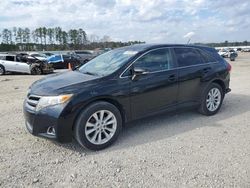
172,150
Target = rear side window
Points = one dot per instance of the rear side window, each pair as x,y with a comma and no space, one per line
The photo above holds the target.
188,57
207,57
155,60
10,58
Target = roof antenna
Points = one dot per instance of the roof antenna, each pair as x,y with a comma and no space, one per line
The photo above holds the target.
188,40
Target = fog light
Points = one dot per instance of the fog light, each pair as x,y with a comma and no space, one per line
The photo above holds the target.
51,131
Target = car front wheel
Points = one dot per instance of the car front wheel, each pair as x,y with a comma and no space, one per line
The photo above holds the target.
98,126
211,100
36,71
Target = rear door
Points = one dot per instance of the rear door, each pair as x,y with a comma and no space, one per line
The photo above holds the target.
9,63
22,67
157,89
191,71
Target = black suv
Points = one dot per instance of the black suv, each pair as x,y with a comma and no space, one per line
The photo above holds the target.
93,103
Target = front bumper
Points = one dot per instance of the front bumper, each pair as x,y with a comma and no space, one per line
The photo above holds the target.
47,71
39,123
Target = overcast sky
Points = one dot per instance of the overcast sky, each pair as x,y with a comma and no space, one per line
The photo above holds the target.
153,21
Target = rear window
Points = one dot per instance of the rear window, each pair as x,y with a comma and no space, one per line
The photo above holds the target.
213,53
2,58
188,57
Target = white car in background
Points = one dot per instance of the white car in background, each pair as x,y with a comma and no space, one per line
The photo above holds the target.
224,53
21,64
9,63
228,53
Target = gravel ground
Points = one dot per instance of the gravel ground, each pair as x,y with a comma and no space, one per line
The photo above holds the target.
171,150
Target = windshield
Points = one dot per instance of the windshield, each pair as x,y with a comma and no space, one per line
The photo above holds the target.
107,63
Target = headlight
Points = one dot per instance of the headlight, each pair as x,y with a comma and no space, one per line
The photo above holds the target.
52,100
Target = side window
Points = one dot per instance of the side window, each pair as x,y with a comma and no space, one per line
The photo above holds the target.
188,57
155,60
207,57
10,58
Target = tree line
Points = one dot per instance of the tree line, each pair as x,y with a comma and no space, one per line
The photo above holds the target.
43,38
226,43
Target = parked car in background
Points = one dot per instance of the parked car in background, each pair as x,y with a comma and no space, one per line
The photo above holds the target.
246,50
228,53
93,103
85,55
74,60
23,63
48,54
233,53
38,56
223,53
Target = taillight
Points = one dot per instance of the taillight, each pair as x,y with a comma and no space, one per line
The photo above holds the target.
229,67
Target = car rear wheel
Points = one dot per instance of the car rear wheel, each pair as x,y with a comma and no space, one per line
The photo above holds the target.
98,126
36,71
2,70
211,100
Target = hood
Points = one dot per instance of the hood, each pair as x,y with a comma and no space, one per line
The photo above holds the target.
41,58
61,83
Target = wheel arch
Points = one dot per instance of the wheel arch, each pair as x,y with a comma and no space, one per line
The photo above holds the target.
220,83
101,99
216,81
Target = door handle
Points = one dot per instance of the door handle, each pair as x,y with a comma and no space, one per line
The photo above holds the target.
172,78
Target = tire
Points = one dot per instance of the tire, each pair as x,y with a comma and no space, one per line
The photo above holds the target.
210,106
2,70
36,71
87,127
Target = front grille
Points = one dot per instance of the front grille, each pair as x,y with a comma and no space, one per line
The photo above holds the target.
32,101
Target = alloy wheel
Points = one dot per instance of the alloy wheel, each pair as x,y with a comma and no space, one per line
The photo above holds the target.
101,127
213,99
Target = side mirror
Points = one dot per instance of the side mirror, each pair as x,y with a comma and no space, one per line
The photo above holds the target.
137,72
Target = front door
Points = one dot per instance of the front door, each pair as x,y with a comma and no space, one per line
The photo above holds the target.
156,89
